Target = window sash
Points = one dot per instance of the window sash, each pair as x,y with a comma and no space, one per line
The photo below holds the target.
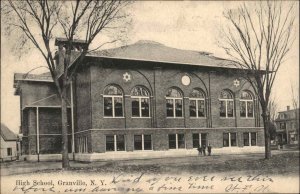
113,106
247,108
226,108
141,108
176,141
253,138
246,139
110,143
174,107
197,107
142,142
115,143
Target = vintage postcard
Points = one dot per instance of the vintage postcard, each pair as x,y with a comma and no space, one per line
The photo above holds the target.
149,96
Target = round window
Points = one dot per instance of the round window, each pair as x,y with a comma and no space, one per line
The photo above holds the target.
185,80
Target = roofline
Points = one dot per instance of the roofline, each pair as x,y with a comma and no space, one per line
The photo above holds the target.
170,62
37,80
289,110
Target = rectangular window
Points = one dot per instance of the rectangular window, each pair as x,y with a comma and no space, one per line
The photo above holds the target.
108,107
193,108
145,107
253,139
142,142
176,141
115,143
169,105
147,142
172,141
197,108
222,109
250,109
181,141
201,108
249,139
82,144
9,151
135,107
118,106
178,107
195,140
230,109
242,108
233,139
120,143
203,139
246,139
110,143
226,139
199,139
229,139
138,142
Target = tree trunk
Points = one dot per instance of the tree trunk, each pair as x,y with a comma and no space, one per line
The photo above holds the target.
64,119
266,120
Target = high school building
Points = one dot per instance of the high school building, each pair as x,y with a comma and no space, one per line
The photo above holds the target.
141,100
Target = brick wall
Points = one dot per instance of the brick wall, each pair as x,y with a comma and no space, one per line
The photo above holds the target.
158,80
160,139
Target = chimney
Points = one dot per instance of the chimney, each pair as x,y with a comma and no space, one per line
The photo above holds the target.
62,44
288,108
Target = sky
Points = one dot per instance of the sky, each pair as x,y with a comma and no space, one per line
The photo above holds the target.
192,25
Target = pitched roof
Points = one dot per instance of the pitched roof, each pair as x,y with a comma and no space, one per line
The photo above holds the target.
153,51
7,134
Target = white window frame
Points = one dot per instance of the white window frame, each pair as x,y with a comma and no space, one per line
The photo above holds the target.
143,142
199,99
115,143
229,139
199,140
174,106
176,135
249,135
248,100
226,107
113,105
140,105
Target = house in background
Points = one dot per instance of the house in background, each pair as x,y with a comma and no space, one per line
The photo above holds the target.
9,144
287,124
138,101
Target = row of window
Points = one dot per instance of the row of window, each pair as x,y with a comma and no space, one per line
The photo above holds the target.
177,141
140,103
230,139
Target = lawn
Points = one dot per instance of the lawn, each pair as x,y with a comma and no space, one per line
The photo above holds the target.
280,163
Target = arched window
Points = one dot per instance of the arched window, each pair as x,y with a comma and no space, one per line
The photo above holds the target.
226,104
140,102
197,103
113,101
174,102
246,105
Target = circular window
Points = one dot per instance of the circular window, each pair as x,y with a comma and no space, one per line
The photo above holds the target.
185,80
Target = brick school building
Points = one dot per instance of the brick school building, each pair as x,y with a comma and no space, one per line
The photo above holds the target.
138,101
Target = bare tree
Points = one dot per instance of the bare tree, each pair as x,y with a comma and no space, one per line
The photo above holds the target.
258,39
273,109
295,104
295,96
38,22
